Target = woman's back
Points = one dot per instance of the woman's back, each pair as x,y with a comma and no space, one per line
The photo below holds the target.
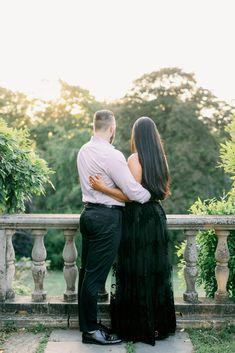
142,302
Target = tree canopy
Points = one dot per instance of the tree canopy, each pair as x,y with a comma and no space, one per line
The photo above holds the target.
190,119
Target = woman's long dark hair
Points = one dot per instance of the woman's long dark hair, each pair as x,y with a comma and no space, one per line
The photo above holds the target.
146,141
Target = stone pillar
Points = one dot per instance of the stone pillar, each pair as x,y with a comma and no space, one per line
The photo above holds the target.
221,269
103,294
190,270
10,264
2,265
70,267
38,265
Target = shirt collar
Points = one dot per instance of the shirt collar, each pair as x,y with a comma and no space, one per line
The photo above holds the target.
98,139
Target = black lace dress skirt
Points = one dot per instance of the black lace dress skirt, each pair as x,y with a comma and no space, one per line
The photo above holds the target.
142,298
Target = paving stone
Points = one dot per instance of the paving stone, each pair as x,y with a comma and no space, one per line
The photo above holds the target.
178,343
70,341
79,347
22,342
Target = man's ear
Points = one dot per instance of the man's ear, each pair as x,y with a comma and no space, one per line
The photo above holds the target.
111,129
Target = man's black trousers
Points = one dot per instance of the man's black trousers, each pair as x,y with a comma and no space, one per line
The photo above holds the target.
101,229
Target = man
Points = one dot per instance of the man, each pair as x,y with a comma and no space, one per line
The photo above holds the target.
101,220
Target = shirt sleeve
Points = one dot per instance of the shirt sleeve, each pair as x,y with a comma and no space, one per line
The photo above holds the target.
119,172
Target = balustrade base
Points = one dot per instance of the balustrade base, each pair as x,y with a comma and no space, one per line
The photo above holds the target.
70,297
39,296
222,297
190,297
56,313
10,295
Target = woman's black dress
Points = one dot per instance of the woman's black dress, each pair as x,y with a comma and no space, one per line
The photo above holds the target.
142,298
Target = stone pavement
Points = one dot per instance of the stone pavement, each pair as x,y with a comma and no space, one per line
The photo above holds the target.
22,342
70,341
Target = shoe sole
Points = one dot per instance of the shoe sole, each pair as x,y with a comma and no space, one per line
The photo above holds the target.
87,340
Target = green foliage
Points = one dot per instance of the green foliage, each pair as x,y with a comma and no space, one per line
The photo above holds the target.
43,342
61,127
3,338
37,328
191,122
227,155
213,340
54,243
130,348
23,272
207,240
22,173
9,326
15,108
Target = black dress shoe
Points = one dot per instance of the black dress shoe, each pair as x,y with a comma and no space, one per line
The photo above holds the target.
99,337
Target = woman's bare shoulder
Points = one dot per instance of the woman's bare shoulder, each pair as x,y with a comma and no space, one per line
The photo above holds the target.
135,167
133,158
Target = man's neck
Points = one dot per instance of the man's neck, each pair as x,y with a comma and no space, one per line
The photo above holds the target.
102,136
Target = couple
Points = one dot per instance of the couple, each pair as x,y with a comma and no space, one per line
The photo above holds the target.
142,307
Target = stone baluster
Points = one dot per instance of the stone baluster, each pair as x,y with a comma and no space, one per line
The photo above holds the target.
10,264
190,270
70,267
38,265
221,269
103,294
2,265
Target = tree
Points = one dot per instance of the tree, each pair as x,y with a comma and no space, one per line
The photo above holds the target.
60,128
207,240
15,108
22,173
191,138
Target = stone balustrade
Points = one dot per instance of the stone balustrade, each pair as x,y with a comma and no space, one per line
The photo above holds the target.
40,223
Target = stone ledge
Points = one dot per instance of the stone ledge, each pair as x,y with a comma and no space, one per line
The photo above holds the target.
56,305
71,221
53,306
57,313
64,321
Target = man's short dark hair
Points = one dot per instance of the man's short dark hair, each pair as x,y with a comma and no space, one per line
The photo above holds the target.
103,119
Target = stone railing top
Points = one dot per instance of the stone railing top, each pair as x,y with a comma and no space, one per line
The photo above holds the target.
71,221
183,221
39,221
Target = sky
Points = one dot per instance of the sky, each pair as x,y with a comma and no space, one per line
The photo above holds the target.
103,45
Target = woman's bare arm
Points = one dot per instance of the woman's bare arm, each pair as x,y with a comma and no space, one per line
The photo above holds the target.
97,183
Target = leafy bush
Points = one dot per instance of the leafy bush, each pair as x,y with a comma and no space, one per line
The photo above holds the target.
22,173
207,240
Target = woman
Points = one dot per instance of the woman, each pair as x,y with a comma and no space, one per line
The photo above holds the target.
142,308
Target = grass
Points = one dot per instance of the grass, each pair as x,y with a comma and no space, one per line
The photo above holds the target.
5,334
43,342
3,338
213,340
130,348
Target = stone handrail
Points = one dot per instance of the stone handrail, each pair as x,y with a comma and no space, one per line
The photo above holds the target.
69,223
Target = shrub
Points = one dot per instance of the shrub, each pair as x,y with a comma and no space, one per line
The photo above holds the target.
207,240
22,172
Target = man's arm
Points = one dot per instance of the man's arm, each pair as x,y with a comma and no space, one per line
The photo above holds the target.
119,172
